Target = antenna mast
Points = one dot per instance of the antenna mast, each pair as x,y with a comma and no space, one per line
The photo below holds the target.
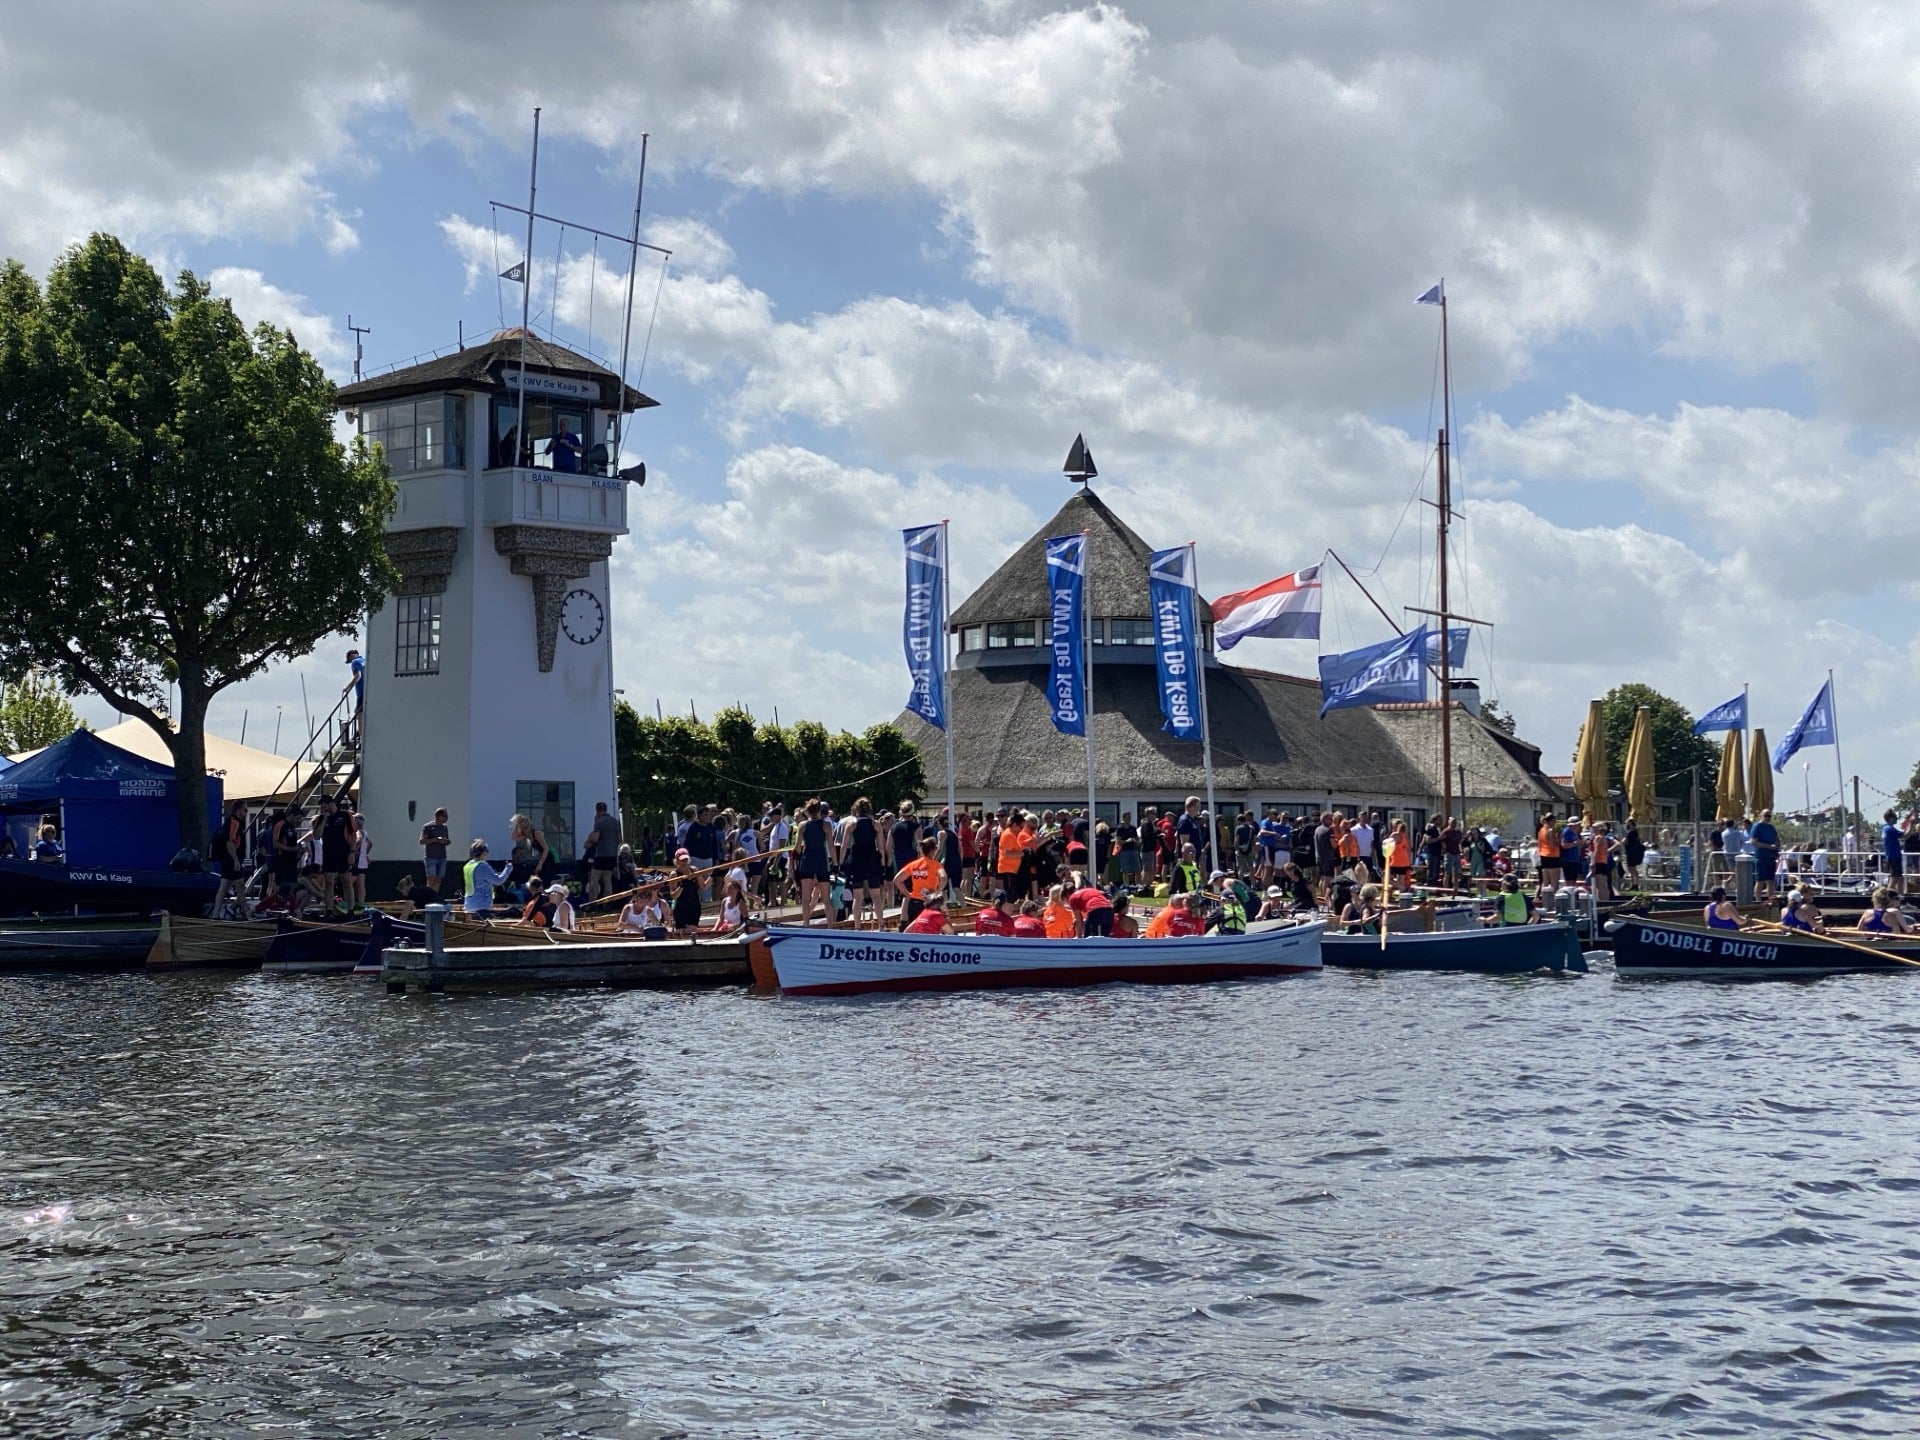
358,331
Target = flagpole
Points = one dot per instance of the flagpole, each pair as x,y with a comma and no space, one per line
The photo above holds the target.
946,681
1839,771
1206,732
1086,647
524,440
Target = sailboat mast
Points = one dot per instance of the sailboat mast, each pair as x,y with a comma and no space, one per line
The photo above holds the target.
1445,512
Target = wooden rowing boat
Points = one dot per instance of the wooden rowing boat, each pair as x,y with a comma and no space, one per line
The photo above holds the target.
187,942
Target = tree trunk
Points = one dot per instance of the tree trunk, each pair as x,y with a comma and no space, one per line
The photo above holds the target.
189,744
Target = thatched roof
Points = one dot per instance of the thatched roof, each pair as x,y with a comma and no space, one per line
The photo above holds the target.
1116,570
1496,765
477,366
1267,736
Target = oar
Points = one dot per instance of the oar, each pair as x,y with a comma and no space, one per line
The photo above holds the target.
1833,939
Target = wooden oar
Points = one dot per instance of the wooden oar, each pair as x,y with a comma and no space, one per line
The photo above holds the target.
674,877
1832,939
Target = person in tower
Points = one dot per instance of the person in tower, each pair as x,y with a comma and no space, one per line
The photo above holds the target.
564,448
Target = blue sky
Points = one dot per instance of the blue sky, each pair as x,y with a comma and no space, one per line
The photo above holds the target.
919,247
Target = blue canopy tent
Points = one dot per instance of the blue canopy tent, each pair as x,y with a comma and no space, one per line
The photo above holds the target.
115,808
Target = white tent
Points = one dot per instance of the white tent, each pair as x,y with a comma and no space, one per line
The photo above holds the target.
248,774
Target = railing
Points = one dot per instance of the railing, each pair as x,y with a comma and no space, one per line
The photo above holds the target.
324,751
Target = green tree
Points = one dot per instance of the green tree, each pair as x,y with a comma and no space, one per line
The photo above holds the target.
1499,719
1675,747
1907,797
177,507
34,713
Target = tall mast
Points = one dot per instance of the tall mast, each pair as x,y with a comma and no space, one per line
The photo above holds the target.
1206,732
1445,511
523,440
626,330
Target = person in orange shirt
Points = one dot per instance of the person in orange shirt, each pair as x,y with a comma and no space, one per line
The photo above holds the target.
1398,852
919,881
1058,917
1345,843
1178,918
1549,838
1013,847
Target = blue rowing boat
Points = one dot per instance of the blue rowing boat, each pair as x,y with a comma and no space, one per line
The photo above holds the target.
1500,950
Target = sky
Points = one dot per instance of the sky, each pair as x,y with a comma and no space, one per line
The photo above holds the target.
918,247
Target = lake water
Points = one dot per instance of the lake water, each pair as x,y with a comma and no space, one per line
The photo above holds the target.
1338,1205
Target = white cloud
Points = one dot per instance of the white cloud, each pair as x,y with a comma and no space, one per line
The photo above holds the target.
256,300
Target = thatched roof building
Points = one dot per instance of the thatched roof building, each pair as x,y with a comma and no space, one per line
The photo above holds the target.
1270,747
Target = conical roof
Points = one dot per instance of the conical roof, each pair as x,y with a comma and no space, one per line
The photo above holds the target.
1116,570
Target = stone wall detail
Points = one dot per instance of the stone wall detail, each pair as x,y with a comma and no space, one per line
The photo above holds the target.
552,559
424,558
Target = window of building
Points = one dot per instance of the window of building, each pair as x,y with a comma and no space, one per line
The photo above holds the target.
972,637
1098,630
416,435
416,641
1129,632
544,417
1012,633
549,804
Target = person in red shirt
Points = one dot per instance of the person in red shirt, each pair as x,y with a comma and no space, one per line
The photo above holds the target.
994,920
1125,927
930,921
1093,907
1026,925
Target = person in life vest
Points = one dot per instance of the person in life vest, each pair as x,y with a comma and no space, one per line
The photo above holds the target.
920,880
481,879
995,919
1515,906
1186,878
1232,917
1094,909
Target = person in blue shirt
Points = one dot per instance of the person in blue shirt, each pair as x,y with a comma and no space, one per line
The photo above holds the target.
1766,854
1191,829
1272,839
357,683
1890,856
48,847
565,449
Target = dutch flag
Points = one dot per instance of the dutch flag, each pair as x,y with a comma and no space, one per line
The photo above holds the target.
1283,609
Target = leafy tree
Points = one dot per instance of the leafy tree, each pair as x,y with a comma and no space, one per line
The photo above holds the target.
177,508
1489,817
1675,747
34,713
1499,719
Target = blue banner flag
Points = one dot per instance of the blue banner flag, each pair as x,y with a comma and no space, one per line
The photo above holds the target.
1456,646
1394,671
926,612
1436,296
1066,632
1176,651
1729,716
1816,727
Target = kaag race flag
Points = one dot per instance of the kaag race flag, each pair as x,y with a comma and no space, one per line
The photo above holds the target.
1394,671
1066,595
926,611
1816,727
1732,715
1283,609
1456,646
516,272
1176,656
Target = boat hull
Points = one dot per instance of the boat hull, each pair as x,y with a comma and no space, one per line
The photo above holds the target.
1502,950
306,947
188,943
30,887
809,961
1651,947
97,944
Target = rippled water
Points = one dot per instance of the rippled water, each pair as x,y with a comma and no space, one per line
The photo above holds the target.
1343,1205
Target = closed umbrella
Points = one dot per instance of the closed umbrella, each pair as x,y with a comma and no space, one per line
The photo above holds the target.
1730,797
1590,763
1760,775
1638,777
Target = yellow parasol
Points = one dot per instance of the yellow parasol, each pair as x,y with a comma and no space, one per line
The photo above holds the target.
1637,778
1590,764
1760,775
1730,796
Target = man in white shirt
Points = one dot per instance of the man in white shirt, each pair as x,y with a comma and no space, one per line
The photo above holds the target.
1363,838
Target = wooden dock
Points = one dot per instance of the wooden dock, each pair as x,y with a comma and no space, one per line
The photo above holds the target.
541,964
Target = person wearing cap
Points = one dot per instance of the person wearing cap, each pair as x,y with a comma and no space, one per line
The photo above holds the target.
481,879
995,919
1800,913
549,908
1276,906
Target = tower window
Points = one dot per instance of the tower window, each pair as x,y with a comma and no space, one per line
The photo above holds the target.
418,434
416,641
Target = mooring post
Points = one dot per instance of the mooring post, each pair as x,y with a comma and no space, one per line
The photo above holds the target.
436,918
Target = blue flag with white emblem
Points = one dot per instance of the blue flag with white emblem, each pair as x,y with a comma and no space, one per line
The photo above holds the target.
1066,632
1816,727
1732,715
1394,671
1176,655
926,608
